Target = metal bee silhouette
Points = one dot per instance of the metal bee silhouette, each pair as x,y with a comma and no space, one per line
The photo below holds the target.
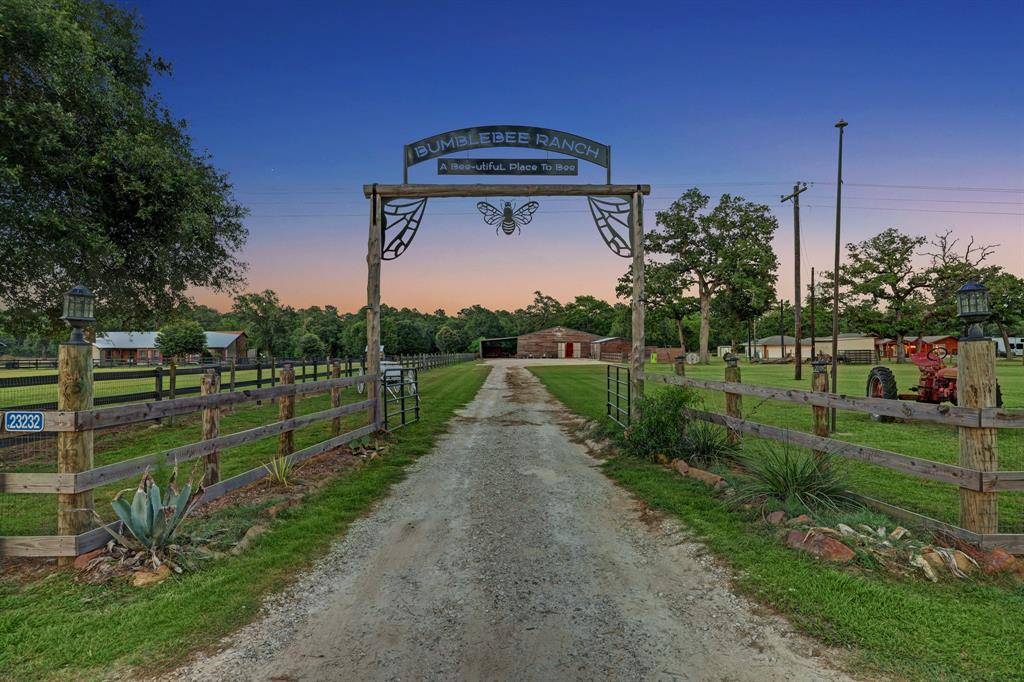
509,219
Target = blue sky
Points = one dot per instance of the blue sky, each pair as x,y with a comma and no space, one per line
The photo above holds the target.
304,102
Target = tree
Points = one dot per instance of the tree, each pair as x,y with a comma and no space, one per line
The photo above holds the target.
1006,300
881,274
267,324
544,312
449,339
99,183
728,246
950,269
589,314
665,286
310,346
180,339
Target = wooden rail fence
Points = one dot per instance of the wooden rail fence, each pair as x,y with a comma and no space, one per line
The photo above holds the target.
77,477
978,484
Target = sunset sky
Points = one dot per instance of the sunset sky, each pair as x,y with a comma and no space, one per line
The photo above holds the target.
302,103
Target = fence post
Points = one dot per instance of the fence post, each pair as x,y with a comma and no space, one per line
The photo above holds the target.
172,384
232,376
74,448
286,410
976,387
733,401
819,384
211,426
336,399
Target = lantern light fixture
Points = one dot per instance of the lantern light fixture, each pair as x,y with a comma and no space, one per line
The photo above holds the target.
79,307
972,308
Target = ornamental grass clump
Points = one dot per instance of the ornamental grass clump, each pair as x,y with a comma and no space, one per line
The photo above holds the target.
707,445
152,518
793,478
661,427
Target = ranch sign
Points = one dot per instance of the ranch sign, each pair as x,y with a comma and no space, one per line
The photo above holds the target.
524,137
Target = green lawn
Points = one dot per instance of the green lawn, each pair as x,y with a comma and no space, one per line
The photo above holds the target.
909,629
56,628
929,441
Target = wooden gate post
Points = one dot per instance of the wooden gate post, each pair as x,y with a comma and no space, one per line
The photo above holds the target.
74,448
733,401
636,238
819,384
286,410
976,387
336,399
373,256
211,427
172,385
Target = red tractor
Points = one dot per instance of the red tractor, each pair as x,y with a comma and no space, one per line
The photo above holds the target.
937,383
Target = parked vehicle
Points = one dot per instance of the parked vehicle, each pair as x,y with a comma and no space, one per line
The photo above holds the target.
1016,346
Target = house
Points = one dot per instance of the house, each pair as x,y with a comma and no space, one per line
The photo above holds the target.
852,346
139,348
887,347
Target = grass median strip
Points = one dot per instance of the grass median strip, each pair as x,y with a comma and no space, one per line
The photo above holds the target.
57,628
910,629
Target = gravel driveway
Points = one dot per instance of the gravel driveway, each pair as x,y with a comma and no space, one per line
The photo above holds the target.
507,555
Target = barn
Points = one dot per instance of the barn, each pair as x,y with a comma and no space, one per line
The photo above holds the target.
555,342
611,348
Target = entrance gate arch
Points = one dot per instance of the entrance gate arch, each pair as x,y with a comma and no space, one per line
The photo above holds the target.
397,210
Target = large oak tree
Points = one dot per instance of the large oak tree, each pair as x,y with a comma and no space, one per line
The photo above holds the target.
99,184
728,247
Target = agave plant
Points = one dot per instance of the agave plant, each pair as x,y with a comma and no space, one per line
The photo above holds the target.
152,519
280,470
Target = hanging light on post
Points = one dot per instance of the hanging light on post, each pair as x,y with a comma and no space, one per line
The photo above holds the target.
79,306
973,309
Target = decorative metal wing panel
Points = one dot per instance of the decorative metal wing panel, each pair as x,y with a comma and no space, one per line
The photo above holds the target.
401,217
609,214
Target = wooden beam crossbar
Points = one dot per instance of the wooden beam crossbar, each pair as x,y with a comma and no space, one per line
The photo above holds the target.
433,190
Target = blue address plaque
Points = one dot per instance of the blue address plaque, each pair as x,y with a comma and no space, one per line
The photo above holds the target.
22,420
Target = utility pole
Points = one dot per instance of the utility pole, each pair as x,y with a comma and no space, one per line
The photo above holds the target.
782,331
835,274
814,345
798,189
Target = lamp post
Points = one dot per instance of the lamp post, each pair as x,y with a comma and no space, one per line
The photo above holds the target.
79,307
835,272
74,384
972,308
976,388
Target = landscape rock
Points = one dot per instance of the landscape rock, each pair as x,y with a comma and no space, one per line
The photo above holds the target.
705,477
681,466
82,560
149,578
898,533
802,520
997,561
819,545
662,459
776,517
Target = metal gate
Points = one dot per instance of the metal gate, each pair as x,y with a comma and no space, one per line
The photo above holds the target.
401,397
617,376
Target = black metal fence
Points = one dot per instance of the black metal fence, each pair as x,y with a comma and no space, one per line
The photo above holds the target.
617,402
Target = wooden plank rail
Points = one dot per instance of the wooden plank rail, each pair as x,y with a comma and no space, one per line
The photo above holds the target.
941,414
915,466
131,414
97,537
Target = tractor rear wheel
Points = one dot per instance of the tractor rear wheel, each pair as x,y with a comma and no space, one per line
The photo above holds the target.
882,384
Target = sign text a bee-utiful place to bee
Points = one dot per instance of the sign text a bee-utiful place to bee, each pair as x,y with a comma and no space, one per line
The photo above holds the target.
452,166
